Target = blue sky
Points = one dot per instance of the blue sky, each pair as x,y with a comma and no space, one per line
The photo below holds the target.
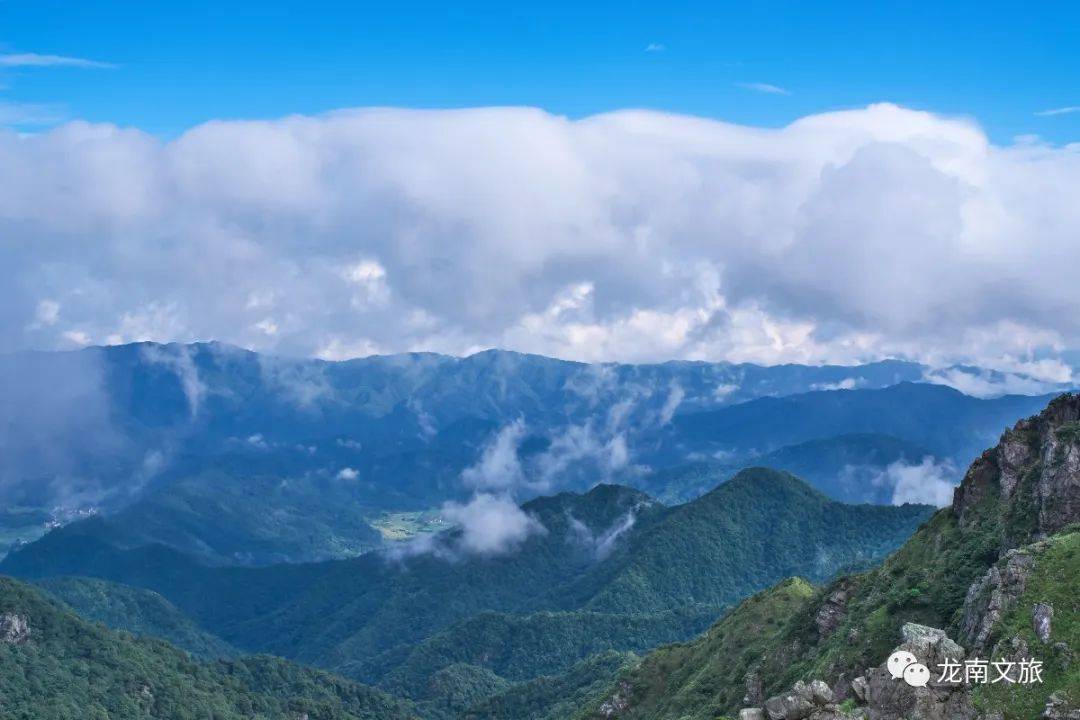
816,186
179,64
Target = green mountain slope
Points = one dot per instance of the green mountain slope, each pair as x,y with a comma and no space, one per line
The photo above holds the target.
137,611
606,559
948,576
54,665
236,515
553,697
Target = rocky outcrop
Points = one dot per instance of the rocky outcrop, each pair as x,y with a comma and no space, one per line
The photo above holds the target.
889,698
14,629
1042,616
993,595
755,689
618,703
832,611
805,701
1037,463
1058,708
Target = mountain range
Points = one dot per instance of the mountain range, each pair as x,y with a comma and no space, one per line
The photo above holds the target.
993,576
241,458
607,570
371,539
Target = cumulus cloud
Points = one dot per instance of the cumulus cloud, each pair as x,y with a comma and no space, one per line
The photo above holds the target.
348,474
632,235
491,524
930,482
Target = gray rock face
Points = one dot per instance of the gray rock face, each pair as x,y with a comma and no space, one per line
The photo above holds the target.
751,714
1041,616
1040,459
618,703
1058,708
832,612
1058,489
888,698
861,688
993,595
14,629
789,706
755,690
805,701
1012,458
820,693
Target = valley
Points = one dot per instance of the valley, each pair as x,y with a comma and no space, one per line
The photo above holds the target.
523,564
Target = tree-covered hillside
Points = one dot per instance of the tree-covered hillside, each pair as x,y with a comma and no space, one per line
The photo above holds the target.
250,459
611,571
979,571
135,610
56,666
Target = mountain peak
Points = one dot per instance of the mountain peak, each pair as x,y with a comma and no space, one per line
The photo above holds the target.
756,480
1031,478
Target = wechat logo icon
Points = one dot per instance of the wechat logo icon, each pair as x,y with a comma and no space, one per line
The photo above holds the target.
916,675
902,664
898,661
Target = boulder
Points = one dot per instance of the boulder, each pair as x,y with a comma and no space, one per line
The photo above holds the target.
1058,708
751,714
832,611
820,693
860,687
889,698
796,704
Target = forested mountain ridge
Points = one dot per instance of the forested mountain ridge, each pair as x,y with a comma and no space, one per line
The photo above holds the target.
612,570
981,571
55,665
251,459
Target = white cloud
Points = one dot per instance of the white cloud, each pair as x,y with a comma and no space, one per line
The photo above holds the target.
845,384
491,524
671,404
19,113
632,236
48,313
348,474
498,466
985,384
929,482
38,60
655,47
179,359
1059,111
764,88
600,546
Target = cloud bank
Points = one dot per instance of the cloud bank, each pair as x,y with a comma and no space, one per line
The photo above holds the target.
626,236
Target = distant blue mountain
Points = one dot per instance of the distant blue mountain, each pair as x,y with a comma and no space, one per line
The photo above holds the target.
242,457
